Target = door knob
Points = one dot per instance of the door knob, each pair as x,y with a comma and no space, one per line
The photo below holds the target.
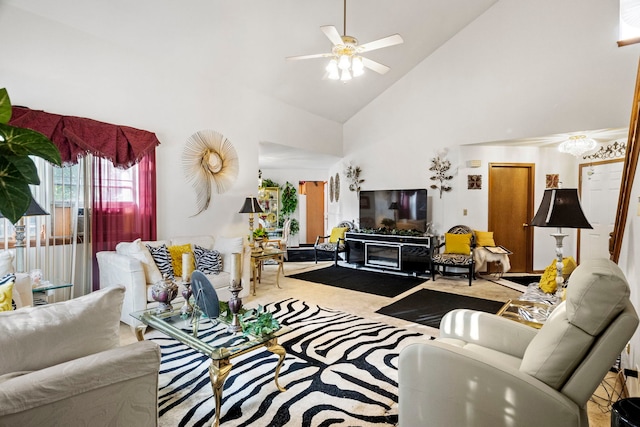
525,225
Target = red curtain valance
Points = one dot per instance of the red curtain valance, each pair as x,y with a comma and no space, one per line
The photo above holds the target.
76,136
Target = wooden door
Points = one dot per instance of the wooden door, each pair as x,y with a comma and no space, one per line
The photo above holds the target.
599,190
511,207
314,191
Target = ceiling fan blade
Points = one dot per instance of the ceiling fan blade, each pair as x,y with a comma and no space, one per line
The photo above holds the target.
380,43
375,66
316,55
332,34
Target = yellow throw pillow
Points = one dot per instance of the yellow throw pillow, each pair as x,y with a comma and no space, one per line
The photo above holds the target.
548,280
6,296
484,238
176,258
457,243
337,233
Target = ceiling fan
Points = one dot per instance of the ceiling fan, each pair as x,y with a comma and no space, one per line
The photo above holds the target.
346,60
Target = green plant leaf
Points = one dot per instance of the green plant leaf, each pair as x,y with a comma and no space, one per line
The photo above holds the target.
15,195
5,106
22,142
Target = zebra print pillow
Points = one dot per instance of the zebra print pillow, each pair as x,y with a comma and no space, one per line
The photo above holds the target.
162,258
208,262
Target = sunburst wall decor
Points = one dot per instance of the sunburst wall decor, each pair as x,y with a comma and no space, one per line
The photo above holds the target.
210,163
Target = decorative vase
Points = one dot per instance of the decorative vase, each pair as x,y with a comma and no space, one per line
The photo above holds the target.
164,291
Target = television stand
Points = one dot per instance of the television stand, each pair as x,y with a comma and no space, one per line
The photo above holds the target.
391,252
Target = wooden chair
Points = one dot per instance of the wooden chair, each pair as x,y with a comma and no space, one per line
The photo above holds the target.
335,242
456,254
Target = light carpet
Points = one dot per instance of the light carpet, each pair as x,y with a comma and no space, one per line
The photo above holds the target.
340,370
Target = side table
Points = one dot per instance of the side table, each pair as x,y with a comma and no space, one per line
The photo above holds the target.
42,294
257,258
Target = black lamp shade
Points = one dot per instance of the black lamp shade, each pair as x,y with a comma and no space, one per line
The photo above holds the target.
251,205
34,209
393,206
560,207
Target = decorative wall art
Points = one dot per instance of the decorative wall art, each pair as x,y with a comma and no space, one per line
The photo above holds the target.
337,186
474,182
331,189
353,175
553,180
441,167
614,150
210,163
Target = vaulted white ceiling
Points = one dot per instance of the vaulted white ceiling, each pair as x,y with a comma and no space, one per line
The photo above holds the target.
246,41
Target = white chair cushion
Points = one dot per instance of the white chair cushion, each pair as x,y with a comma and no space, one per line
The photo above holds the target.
30,337
556,350
596,294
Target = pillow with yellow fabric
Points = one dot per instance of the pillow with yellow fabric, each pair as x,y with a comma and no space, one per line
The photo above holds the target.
548,280
6,292
337,233
457,243
484,238
176,252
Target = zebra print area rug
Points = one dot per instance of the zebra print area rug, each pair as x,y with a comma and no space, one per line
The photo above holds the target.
340,370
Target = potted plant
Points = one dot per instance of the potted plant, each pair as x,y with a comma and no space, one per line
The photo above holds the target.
17,169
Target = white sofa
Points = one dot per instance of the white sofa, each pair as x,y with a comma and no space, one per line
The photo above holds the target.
486,370
130,266
62,366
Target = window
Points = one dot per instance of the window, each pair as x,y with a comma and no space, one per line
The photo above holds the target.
629,22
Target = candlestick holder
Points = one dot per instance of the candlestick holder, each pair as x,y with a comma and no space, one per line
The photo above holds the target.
187,308
235,304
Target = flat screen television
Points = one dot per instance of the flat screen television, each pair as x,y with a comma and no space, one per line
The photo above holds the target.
394,209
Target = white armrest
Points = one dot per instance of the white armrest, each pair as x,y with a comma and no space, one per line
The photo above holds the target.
434,376
122,270
487,330
113,387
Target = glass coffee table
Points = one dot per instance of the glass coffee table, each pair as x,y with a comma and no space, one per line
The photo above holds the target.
213,340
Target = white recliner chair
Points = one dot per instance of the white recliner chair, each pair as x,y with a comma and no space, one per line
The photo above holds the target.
486,370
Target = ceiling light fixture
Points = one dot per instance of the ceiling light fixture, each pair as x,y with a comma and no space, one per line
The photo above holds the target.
346,61
577,145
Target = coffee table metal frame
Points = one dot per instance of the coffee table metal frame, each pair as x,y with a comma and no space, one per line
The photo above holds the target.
220,356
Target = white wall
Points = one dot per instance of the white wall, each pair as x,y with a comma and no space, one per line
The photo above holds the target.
63,70
523,69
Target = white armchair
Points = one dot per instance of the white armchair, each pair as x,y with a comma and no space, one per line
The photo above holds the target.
130,266
486,370
62,365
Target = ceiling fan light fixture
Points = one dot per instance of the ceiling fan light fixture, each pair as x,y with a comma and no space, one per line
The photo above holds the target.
344,62
577,145
346,76
356,66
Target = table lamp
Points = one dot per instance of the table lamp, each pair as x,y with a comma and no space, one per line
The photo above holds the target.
33,210
251,206
560,207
